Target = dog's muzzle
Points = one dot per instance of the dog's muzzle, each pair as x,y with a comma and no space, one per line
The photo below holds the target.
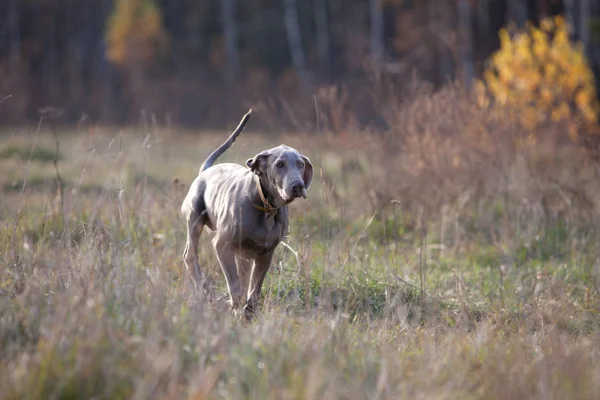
298,190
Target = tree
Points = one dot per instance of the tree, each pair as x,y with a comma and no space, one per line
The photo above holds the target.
230,37
570,17
544,76
584,29
14,37
517,11
295,42
438,13
464,21
376,31
135,32
483,21
322,28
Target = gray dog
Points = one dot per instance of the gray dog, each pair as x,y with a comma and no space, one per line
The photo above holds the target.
247,210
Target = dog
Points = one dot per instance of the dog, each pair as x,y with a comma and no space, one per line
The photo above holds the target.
247,209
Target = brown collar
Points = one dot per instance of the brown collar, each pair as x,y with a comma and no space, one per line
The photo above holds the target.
267,207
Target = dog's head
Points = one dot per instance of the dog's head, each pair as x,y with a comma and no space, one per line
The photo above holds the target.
285,169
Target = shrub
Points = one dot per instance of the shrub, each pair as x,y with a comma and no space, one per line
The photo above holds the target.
544,76
135,32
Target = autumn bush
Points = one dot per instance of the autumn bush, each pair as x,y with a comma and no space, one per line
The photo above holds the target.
454,168
544,77
135,33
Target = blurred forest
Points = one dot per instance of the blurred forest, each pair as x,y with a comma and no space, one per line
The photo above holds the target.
202,63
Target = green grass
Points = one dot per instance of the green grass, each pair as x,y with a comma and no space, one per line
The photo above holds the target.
95,302
26,153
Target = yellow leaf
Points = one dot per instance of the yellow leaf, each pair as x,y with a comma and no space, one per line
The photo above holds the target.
550,71
559,22
573,132
582,99
505,42
546,96
547,25
561,112
589,114
561,39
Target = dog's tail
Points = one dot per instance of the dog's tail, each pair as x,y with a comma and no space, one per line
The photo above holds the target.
227,144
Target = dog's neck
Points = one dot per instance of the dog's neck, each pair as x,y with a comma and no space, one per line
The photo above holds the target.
270,200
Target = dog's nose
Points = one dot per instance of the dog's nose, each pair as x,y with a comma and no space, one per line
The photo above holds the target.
298,189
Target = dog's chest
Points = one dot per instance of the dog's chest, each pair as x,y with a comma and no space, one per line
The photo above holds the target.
266,235
263,235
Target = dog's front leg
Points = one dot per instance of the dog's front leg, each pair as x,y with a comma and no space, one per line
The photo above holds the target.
244,268
259,272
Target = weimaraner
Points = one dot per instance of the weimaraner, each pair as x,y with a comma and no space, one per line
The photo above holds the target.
247,210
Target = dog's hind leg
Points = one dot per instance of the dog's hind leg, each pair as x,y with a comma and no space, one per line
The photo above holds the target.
190,253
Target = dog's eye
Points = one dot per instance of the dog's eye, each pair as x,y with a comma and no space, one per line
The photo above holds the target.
300,164
279,164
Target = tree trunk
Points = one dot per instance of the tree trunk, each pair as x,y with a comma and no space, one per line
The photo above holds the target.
542,8
517,12
72,36
173,18
230,37
323,49
376,34
593,46
295,42
584,29
15,38
50,63
466,45
483,23
570,17
437,13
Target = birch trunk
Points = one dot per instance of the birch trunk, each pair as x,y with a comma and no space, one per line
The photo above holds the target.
466,46
230,37
15,38
295,42
376,33
437,14
584,29
517,12
483,20
570,17
323,49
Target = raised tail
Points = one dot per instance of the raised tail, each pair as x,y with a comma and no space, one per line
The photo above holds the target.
227,144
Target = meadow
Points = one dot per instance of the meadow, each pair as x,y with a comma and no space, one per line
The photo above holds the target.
450,256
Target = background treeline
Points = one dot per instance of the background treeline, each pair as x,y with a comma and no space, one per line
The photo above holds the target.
201,63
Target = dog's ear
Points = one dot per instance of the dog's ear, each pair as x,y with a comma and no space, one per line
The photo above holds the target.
308,172
258,163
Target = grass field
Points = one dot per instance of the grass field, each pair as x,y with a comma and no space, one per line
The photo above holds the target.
436,267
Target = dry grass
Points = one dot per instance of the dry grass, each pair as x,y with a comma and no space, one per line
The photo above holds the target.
437,261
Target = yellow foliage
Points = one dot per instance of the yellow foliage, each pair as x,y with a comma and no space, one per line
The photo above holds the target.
543,75
135,32
559,23
547,25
